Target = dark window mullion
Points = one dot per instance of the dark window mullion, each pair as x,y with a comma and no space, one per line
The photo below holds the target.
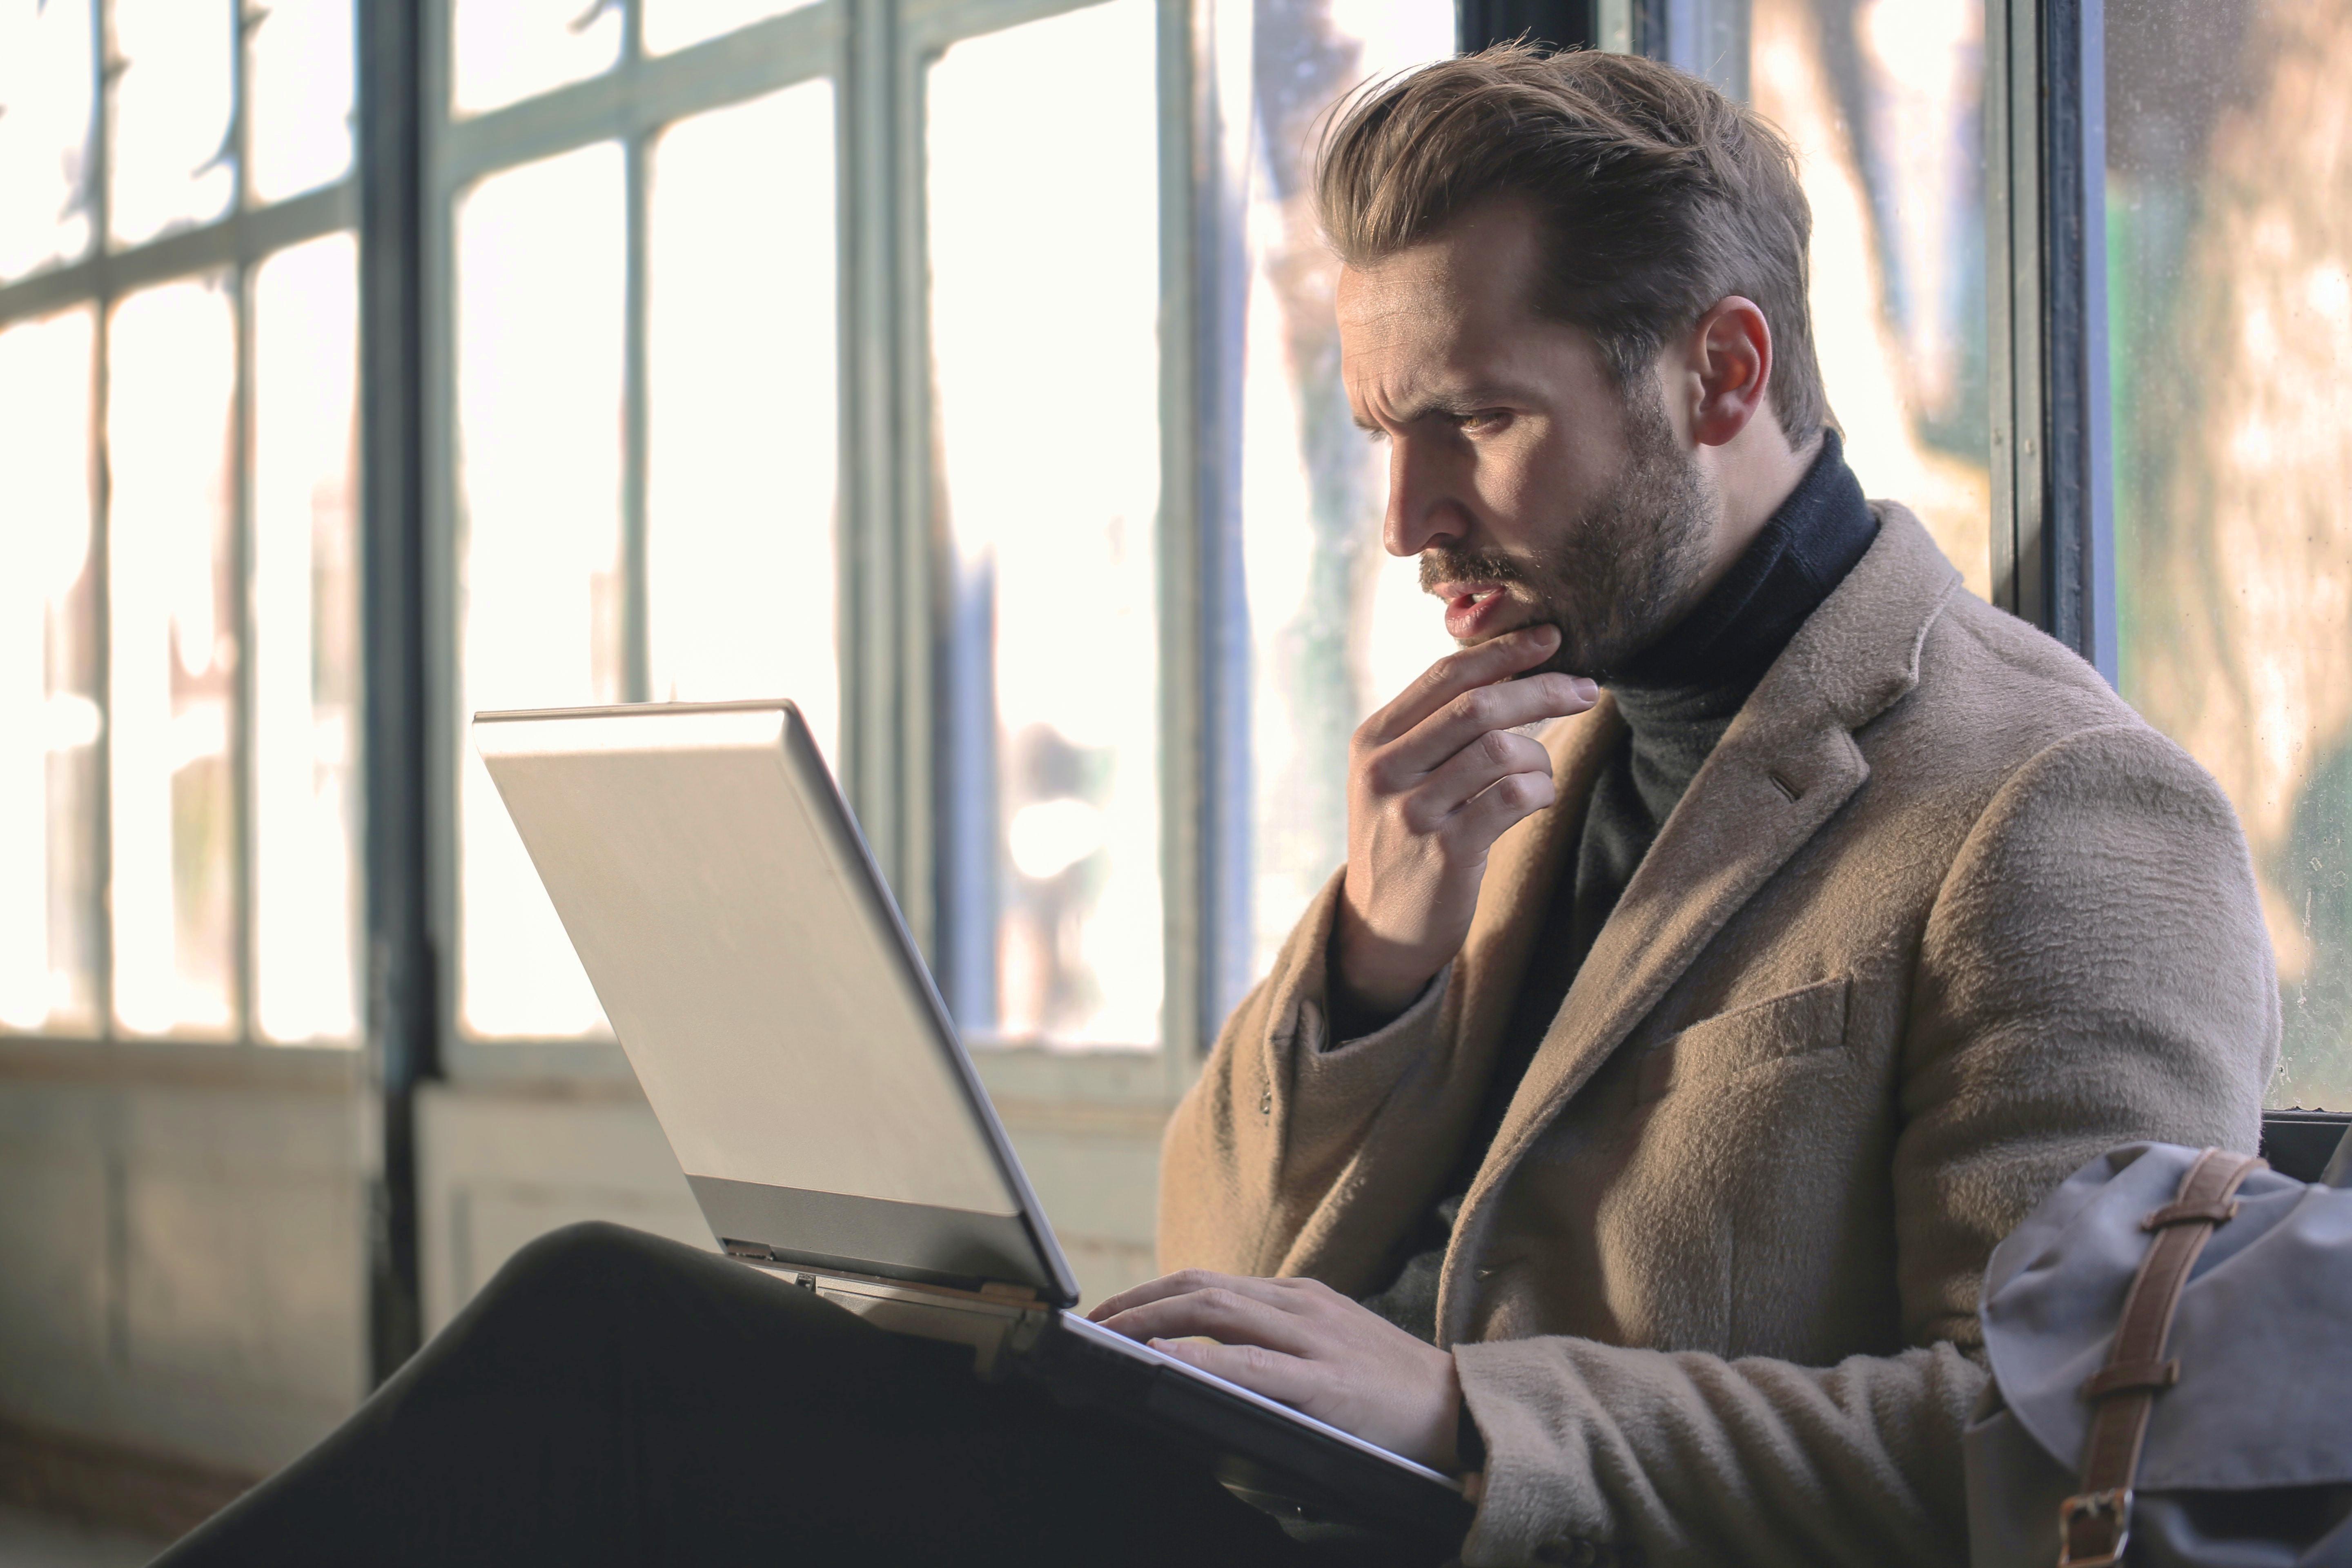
636,662
400,749
245,983
101,516
637,672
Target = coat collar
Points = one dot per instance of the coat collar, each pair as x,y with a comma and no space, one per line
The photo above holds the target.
1785,766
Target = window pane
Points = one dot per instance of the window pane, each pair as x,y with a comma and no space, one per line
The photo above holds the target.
45,83
306,721
674,24
48,690
172,668
742,325
2230,267
502,50
1884,101
1045,267
298,95
170,153
540,282
1337,627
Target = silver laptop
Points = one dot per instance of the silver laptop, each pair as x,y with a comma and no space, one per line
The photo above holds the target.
754,967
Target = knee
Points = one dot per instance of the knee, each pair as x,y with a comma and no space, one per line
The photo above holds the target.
589,1256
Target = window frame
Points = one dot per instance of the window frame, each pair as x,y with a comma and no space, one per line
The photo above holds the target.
630,103
234,246
891,620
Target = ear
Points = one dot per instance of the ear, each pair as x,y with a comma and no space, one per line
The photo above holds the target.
1732,346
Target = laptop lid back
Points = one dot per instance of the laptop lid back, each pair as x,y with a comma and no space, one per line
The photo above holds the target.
754,967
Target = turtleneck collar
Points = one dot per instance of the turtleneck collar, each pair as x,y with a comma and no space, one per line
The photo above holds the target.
1732,636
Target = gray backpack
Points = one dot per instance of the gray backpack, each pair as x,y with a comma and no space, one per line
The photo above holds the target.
2170,1335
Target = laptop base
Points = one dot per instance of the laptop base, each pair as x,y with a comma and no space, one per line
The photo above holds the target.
1319,1482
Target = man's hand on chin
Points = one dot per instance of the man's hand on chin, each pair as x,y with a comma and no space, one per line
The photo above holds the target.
1302,1343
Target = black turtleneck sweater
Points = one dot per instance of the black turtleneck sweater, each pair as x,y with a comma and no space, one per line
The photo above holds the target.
1677,699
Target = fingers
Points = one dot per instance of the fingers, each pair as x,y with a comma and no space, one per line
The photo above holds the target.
1274,1313
1505,802
1488,759
1506,705
1177,1284
1278,1376
1225,1316
1457,673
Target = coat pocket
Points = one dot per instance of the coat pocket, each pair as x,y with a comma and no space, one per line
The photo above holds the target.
1793,1024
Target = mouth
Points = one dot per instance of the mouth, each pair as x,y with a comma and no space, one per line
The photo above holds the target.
1475,611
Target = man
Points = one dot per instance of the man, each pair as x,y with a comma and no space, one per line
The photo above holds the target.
1627,1125
1662,1087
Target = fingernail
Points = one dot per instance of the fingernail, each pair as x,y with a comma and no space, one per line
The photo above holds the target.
1587,689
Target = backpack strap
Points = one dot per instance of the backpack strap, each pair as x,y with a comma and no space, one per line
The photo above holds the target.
2094,1524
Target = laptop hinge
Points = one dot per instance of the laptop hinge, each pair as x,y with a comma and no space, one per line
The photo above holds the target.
1010,1293
1006,1291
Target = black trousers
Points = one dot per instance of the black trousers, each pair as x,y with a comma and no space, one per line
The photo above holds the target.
611,1397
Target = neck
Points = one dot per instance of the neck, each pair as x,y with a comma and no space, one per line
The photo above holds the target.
1724,642
1754,474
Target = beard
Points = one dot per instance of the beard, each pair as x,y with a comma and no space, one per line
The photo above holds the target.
1617,575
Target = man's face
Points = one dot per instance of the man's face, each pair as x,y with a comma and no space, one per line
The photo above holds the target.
1532,486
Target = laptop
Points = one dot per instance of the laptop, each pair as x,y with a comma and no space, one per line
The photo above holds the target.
830,1124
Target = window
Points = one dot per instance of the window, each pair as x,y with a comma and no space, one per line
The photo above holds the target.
643,498
1884,102
2229,321
1337,627
1044,273
179,681
639,460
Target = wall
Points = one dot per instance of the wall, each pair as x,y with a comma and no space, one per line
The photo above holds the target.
182,1257
503,1163
181,1248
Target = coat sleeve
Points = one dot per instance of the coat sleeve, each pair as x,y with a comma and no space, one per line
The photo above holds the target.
2094,970
1279,1114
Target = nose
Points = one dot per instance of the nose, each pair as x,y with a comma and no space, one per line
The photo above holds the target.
1421,511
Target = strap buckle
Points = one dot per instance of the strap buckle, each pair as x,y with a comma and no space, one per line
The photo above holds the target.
2094,1528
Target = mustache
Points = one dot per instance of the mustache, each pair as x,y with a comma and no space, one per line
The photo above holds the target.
1442,565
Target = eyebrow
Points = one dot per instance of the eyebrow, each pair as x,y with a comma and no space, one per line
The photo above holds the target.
1466,401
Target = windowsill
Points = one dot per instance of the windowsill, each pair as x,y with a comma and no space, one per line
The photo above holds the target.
1022,1080
193,1064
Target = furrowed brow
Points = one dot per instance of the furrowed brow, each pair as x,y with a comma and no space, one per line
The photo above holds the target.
1455,405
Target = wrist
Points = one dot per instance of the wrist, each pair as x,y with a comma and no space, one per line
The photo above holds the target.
1366,986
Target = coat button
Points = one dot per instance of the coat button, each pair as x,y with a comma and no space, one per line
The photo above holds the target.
1266,1103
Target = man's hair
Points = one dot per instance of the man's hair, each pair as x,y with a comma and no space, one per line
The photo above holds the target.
1657,194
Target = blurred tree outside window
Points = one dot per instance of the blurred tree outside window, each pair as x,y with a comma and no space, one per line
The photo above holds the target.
2230,325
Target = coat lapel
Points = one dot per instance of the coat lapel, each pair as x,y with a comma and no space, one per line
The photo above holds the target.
1522,871
1785,766
1399,1172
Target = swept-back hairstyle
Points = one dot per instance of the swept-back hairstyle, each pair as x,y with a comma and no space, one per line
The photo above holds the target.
1658,195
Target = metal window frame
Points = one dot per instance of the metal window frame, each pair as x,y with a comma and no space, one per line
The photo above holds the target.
890,622
2045,244
231,246
631,103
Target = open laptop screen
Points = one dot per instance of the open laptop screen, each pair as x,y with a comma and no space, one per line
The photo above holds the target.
761,984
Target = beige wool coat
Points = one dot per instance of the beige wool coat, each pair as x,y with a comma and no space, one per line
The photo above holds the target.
1938,921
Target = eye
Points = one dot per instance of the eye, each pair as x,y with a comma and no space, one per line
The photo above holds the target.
1482,421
